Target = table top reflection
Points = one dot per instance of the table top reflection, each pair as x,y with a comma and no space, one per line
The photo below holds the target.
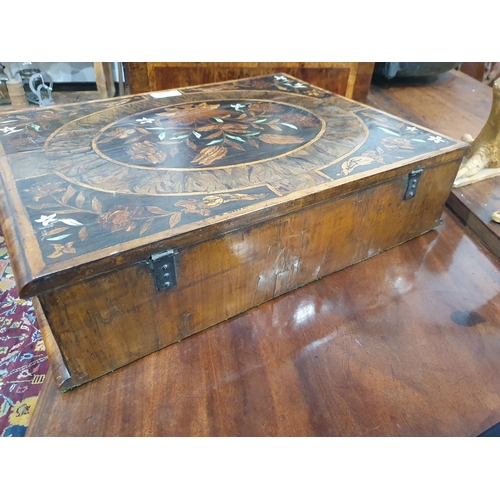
406,343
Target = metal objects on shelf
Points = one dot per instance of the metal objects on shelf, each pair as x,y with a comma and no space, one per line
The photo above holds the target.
40,88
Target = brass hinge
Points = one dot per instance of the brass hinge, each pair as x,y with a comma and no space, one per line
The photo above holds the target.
412,185
162,265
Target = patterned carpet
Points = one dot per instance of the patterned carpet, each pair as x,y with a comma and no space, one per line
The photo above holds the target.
23,360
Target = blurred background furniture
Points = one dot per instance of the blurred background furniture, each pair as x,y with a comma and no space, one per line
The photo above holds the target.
104,79
486,72
390,70
349,79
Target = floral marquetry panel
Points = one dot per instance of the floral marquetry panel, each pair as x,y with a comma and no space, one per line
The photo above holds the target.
88,181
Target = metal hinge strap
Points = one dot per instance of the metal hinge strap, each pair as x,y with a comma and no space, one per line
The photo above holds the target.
412,185
162,265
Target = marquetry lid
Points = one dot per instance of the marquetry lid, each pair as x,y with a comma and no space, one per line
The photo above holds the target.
92,186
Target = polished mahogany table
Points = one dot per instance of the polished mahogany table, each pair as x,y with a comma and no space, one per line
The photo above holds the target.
404,344
453,104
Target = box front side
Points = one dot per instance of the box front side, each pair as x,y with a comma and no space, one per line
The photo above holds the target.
112,319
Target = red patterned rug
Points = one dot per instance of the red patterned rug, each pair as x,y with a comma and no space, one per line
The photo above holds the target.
23,360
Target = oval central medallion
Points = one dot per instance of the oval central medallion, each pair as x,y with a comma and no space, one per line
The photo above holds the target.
208,135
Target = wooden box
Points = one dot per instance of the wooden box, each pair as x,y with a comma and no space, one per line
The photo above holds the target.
349,79
137,221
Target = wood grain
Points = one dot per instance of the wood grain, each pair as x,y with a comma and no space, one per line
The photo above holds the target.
136,77
101,324
351,80
474,70
104,79
58,367
474,204
452,103
404,344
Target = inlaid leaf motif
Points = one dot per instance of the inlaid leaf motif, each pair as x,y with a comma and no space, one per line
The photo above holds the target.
375,155
393,143
146,151
274,127
387,131
134,138
174,151
175,219
97,206
157,210
60,249
70,222
213,136
255,144
146,226
167,142
82,234
68,194
210,154
80,200
280,139
207,128
234,145
349,165
191,145
57,238
56,231
236,138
